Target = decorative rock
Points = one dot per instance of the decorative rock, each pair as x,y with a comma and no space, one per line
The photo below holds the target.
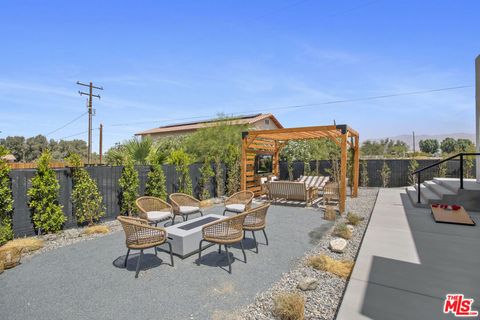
350,227
307,284
338,245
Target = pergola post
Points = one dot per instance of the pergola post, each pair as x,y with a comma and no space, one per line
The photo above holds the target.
343,172
276,160
243,177
356,166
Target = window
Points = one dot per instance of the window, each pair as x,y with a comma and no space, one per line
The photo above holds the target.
267,122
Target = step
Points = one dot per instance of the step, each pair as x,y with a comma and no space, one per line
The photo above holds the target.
412,194
428,194
439,189
451,184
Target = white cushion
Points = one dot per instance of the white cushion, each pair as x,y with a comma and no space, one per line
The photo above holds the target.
158,215
235,207
188,209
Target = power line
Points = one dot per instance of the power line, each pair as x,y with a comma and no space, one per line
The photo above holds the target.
386,96
76,134
67,124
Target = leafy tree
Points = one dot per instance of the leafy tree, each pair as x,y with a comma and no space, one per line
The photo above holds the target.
412,166
384,147
207,173
448,145
232,162
16,146
61,149
364,173
429,146
46,211
129,184
385,175
182,161
156,182
35,146
163,147
6,200
464,145
86,199
220,142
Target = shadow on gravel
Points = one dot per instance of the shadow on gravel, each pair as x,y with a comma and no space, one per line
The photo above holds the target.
317,233
149,261
215,259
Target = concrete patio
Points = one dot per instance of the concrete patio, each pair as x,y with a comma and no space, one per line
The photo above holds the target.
87,280
408,263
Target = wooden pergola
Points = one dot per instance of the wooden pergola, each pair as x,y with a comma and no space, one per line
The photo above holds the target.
272,141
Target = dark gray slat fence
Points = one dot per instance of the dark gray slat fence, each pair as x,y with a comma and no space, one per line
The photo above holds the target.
106,178
398,170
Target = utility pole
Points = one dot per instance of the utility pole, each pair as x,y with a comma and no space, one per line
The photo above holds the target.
90,113
100,143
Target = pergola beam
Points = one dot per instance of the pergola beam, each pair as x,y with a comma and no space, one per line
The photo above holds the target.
272,141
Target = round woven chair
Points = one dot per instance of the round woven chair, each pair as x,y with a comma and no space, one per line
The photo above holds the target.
139,235
184,205
154,209
256,220
239,202
224,232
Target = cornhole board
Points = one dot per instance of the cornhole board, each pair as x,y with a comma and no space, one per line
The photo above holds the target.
459,216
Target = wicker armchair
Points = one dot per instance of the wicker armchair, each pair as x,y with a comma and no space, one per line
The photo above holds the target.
184,205
224,232
139,236
331,191
256,220
239,202
154,209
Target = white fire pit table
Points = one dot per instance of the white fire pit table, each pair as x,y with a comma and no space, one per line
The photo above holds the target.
185,237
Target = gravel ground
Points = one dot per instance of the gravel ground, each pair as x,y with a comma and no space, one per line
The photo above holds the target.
70,236
87,280
321,303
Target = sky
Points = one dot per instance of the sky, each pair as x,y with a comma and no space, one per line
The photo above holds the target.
163,62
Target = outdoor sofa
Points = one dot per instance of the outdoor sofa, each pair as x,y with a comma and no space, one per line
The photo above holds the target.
291,190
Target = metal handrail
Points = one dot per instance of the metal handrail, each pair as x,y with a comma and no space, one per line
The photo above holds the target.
461,155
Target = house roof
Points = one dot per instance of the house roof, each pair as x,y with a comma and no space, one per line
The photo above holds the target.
190,126
9,157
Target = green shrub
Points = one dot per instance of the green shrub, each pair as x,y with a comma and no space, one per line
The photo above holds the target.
46,211
182,161
86,199
207,173
129,184
412,166
385,173
354,219
364,174
342,231
6,201
156,182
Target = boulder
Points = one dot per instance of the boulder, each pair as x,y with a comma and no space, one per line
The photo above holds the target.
307,284
338,245
350,227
